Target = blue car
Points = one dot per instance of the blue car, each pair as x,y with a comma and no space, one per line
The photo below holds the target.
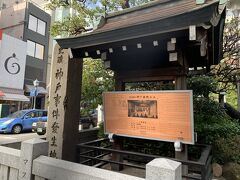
21,120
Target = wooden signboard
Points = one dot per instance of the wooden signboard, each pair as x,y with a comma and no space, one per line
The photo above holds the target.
158,115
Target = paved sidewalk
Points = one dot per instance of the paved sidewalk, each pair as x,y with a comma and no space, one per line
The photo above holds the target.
11,138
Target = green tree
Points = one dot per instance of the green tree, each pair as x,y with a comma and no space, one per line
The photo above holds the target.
202,85
86,14
227,72
95,81
212,123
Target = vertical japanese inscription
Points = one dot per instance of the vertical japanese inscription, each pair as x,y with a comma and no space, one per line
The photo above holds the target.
56,102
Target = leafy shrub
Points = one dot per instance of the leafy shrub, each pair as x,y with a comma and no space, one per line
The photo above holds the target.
209,132
101,131
219,130
202,85
228,149
206,109
212,124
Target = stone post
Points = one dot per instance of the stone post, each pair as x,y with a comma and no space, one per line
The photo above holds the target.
163,169
64,104
30,150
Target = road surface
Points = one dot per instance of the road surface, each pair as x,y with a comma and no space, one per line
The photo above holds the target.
6,138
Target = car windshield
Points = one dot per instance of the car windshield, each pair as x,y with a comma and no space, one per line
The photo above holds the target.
17,114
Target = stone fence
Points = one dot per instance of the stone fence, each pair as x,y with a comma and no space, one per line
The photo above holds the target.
32,163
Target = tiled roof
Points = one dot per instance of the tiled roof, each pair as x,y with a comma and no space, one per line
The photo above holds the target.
148,13
150,19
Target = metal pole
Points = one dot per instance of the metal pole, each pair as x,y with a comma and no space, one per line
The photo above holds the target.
35,97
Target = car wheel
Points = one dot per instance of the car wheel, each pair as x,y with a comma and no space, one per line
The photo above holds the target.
16,129
41,133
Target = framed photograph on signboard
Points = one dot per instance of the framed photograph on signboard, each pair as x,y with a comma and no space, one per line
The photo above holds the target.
142,109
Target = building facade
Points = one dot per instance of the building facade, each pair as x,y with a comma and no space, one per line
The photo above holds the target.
26,21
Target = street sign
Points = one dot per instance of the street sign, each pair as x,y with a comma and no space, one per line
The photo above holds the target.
34,92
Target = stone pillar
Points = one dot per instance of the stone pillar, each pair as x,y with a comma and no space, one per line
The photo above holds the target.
30,150
64,105
183,155
163,169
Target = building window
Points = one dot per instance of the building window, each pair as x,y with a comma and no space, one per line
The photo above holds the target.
32,23
41,27
35,50
37,25
39,51
30,48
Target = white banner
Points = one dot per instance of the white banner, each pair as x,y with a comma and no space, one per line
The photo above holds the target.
12,62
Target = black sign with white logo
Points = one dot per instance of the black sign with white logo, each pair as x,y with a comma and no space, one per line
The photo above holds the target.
11,65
